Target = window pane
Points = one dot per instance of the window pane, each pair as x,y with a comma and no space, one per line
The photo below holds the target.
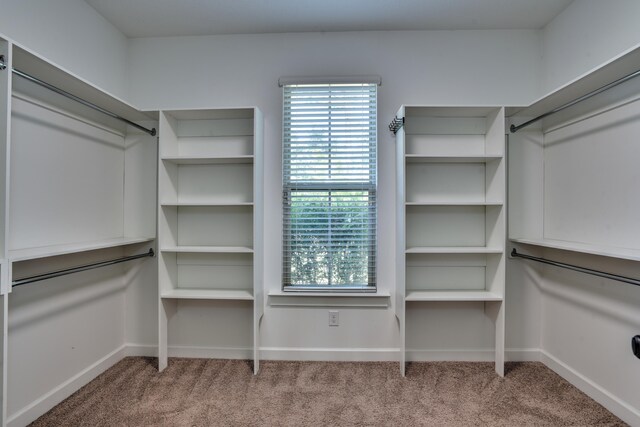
329,183
330,238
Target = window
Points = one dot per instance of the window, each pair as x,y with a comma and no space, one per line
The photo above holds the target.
329,186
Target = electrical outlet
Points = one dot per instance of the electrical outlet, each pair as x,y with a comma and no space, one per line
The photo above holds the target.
334,319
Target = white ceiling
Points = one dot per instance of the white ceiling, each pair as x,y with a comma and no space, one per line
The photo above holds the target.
157,18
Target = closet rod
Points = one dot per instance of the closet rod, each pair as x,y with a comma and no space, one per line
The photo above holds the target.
59,91
624,279
80,268
621,80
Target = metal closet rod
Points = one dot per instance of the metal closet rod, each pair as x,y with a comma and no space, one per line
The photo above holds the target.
621,80
80,268
598,273
66,94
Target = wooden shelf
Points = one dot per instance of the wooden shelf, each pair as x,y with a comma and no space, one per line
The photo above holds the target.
453,250
71,248
208,294
454,203
208,249
420,158
205,204
607,251
184,160
452,296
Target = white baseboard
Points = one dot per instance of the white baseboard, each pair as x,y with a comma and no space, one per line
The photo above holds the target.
140,350
330,354
210,352
615,405
336,355
414,355
47,401
194,352
522,355
511,355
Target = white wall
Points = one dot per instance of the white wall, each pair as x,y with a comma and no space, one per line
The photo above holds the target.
585,35
65,331
586,327
72,34
587,322
438,68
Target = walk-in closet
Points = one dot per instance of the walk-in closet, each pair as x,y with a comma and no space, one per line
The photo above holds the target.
320,213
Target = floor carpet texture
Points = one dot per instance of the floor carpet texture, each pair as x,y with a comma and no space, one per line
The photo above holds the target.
204,392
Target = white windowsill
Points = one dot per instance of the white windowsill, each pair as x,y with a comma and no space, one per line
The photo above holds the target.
279,298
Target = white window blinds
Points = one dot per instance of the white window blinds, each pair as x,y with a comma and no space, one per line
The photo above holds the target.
329,186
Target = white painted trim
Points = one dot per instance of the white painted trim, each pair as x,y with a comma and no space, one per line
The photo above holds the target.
47,401
523,355
481,355
280,298
333,354
484,355
210,352
617,406
140,350
296,80
330,354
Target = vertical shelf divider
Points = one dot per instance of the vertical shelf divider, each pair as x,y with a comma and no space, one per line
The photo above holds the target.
5,270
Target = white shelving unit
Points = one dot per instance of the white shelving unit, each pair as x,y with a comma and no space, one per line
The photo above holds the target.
573,175
76,185
210,215
95,186
450,212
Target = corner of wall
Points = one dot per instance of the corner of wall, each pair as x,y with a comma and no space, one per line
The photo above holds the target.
587,34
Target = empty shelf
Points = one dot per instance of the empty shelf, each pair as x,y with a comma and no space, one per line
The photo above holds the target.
454,203
209,294
196,203
71,248
608,251
421,158
452,296
208,249
202,160
453,250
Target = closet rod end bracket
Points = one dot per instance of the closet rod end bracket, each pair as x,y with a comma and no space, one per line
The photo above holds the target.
513,129
3,65
153,132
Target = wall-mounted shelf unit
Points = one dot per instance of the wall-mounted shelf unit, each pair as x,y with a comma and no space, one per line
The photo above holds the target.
77,190
450,211
95,186
573,175
210,215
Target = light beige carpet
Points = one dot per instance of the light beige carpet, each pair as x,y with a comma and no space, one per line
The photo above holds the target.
199,392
